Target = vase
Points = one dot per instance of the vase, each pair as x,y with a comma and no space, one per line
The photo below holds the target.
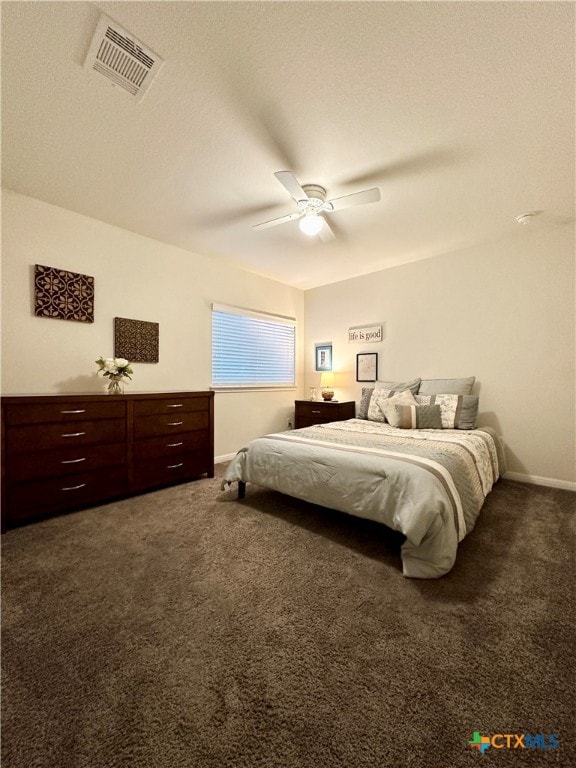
116,385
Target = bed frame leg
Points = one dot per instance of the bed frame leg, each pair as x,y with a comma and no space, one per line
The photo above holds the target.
241,489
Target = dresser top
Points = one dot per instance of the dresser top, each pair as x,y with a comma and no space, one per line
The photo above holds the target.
326,402
61,396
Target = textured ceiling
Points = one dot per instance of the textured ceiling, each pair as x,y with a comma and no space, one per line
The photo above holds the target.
461,113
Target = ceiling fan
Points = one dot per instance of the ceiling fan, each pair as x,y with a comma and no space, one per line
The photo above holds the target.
312,205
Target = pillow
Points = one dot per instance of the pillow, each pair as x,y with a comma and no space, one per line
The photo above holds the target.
398,386
365,402
386,404
378,396
457,411
446,386
415,416
374,411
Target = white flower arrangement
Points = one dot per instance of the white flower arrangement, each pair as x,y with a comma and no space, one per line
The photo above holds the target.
114,367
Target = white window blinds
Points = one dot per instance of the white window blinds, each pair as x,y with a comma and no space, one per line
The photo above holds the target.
252,349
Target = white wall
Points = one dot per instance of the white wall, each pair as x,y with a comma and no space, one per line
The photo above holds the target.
503,312
138,278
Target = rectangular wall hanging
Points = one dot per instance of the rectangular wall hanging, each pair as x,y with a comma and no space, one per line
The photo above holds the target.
365,333
63,295
323,357
367,366
136,340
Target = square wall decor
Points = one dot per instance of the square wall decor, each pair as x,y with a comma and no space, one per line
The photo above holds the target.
63,295
323,357
367,366
136,340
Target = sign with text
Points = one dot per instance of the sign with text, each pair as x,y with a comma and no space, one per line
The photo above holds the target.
365,334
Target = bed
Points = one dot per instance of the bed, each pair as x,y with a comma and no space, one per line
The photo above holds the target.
429,484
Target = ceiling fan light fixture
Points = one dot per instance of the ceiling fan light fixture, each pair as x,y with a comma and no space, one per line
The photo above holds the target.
311,224
312,205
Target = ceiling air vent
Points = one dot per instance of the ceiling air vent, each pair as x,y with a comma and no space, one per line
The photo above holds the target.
120,57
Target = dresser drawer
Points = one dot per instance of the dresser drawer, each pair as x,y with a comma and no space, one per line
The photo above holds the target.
171,406
28,500
157,447
316,413
68,461
311,412
39,413
56,436
169,424
166,470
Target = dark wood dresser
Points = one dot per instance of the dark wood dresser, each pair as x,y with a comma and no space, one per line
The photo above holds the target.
310,412
63,452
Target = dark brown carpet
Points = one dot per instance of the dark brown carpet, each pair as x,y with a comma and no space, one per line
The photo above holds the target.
186,629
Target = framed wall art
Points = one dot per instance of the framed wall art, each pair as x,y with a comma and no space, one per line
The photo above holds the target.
136,340
323,357
63,295
367,366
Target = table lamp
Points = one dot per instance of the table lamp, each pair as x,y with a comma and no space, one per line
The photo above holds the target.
327,384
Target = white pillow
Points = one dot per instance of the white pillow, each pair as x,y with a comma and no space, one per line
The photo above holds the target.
405,397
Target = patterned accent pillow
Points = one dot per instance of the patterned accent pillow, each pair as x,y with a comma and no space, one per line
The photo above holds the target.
365,402
374,410
457,411
383,399
415,416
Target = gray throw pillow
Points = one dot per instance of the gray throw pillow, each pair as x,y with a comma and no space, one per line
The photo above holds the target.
457,411
365,402
415,417
399,386
446,386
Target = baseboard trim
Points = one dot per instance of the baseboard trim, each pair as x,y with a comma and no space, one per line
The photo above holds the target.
549,482
223,458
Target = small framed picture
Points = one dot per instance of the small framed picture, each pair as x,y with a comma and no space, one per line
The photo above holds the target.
324,357
367,366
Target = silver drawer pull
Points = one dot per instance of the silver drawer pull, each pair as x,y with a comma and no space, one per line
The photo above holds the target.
316,411
73,487
72,461
80,410
173,445
174,423
73,434
175,466
177,405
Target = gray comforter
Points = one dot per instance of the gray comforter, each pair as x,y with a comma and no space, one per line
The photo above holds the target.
428,484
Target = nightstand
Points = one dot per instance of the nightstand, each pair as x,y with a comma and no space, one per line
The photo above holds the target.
310,412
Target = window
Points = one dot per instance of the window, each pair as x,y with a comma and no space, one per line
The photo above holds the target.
252,349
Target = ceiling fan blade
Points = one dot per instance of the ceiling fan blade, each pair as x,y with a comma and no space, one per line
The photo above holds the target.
416,164
356,198
292,185
326,234
224,218
280,220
